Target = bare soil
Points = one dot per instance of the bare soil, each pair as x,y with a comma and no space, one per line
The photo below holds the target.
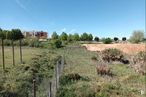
127,48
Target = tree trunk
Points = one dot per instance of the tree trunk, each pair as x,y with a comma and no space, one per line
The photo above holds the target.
3,55
13,52
20,51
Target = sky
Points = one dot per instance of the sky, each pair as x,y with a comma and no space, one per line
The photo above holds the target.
102,18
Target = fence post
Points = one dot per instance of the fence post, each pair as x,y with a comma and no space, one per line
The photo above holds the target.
34,86
50,89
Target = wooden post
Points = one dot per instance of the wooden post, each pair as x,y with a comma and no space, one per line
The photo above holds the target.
13,52
20,51
34,86
50,90
3,55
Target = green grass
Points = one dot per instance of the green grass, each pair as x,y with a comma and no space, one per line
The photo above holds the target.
27,53
78,60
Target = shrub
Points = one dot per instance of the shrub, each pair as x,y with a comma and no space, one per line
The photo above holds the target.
69,78
94,58
107,41
57,43
137,36
104,70
138,62
112,54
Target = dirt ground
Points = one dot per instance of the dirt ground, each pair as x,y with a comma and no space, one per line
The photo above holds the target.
127,48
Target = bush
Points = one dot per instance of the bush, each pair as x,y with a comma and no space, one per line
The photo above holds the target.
57,43
137,36
67,79
94,58
107,41
138,62
104,70
112,54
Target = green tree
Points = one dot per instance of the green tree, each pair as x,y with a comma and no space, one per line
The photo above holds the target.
124,38
107,40
54,36
63,36
70,38
137,36
116,39
96,38
90,37
76,37
84,37
13,35
2,37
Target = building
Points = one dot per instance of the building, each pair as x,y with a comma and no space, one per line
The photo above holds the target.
41,35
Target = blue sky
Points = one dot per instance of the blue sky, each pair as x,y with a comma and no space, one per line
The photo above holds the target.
103,18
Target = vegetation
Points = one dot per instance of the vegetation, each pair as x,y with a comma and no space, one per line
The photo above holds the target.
107,40
125,83
54,36
124,38
19,84
116,39
137,36
96,39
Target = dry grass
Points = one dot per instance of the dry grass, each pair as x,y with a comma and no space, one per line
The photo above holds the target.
27,52
127,48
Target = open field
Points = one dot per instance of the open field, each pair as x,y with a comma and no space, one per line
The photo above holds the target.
27,53
78,60
127,48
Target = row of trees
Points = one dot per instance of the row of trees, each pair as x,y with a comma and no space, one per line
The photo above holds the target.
13,35
72,37
136,37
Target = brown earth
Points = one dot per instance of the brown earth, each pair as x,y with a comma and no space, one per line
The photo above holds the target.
127,48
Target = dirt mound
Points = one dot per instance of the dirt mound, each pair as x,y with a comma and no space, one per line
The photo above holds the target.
127,48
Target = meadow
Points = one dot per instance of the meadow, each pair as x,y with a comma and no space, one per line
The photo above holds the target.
78,60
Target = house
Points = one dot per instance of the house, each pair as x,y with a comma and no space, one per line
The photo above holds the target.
41,35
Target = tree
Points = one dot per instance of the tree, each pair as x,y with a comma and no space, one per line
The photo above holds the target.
2,37
96,38
84,37
63,36
54,36
116,39
90,37
107,40
76,37
70,38
13,35
124,38
137,36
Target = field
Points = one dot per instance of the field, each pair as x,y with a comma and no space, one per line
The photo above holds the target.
127,48
78,60
125,82
27,52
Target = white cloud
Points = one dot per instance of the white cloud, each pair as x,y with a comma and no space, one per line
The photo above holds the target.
19,3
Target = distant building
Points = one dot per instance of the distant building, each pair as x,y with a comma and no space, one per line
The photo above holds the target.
42,36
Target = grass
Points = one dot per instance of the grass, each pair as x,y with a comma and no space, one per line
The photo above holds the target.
125,83
27,53
78,60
